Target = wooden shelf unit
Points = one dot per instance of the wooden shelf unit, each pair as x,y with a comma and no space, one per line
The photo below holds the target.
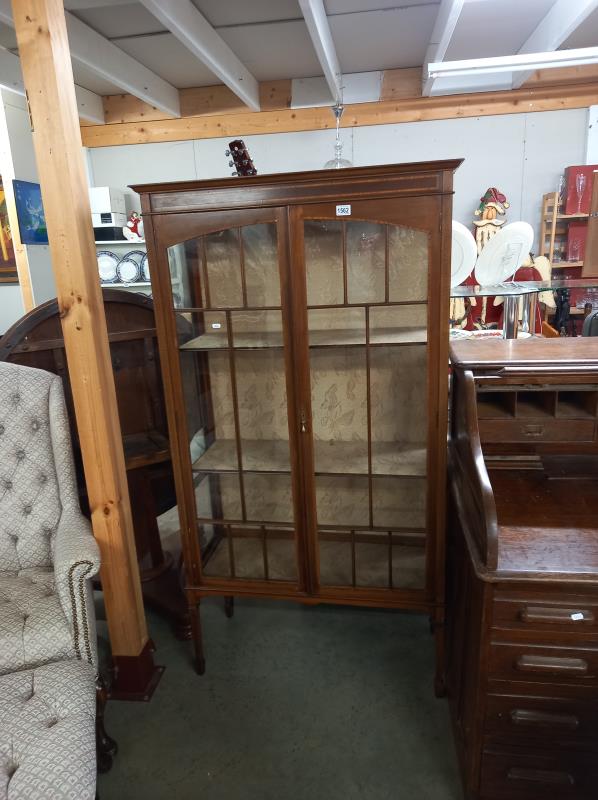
307,385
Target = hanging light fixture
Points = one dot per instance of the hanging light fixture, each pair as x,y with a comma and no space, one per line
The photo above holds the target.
338,162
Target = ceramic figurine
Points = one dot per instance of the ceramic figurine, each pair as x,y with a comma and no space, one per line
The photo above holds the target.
133,230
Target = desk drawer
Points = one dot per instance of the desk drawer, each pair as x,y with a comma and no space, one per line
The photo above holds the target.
551,721
538,775
577,616
537,430
543,664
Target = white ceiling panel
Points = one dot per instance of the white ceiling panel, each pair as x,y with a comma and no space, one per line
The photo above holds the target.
585,36
169,59
130,19
495,29
8,37
376,40
351,6
78,5
244,12
89,80
273,51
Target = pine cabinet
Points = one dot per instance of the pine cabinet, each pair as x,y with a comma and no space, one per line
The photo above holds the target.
302,323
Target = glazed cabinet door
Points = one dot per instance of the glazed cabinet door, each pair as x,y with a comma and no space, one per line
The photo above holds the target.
371,395
229,300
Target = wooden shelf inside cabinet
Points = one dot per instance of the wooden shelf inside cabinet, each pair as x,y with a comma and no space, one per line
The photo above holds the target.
317,338
305,369
334,458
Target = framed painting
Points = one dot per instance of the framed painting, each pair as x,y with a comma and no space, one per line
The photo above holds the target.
30,213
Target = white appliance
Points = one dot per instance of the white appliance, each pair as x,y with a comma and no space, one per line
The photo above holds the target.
107,207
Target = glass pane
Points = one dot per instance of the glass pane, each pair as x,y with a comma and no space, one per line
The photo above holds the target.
224,287
339,409
324,262
409,566
281,555
366,259
252,329
408,257
398,391
399,502
184,262
335,326
268,497
260,253
342,500
336,560
399,324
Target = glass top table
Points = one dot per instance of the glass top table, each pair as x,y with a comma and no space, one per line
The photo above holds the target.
511,291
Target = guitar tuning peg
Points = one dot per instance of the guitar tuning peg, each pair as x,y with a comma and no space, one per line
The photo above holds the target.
234,173
227,152
231,163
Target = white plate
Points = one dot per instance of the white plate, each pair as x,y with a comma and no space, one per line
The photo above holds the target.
107,264
504,253
128,270
463,254
145,273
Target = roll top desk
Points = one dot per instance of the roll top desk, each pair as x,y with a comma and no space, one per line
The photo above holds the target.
523,567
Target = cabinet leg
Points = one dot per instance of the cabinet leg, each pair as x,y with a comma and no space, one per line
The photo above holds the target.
200,662
439,628
229,606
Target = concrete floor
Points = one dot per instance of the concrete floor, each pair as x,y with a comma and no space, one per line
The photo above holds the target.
297,703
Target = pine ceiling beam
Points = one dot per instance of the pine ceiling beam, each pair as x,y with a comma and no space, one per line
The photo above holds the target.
112,64
89,104
194,31
444,27
560,22
316,20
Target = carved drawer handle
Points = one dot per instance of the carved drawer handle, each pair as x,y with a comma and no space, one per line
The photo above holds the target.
552,664
522,716
540,776
557,615
533,430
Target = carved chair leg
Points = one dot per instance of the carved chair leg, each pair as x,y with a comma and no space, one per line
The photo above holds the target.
229,606
106,747
200,662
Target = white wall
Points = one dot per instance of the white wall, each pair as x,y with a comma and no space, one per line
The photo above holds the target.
521,154
40,267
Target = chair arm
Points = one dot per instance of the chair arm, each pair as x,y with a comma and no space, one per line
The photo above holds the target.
76,561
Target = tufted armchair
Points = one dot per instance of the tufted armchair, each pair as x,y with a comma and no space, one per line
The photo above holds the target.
47,551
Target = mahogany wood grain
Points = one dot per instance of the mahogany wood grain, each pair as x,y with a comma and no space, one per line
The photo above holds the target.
416,196
523,650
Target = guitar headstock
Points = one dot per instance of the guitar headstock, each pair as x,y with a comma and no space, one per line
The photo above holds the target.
241,160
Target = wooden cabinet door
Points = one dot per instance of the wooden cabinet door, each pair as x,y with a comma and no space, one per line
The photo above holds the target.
369,284
228,291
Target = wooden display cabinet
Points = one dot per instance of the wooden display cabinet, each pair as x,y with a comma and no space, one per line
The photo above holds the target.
523,568
307,401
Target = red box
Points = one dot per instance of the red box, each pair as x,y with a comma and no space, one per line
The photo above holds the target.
577,233
571,201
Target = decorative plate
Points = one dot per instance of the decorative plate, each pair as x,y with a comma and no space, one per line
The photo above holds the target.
463,253
128,270
107,264
145,273
504,253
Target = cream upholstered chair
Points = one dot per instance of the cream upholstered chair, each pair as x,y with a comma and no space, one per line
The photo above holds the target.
47,551
48,650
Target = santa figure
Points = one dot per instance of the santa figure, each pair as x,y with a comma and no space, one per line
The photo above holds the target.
492,205
133,230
